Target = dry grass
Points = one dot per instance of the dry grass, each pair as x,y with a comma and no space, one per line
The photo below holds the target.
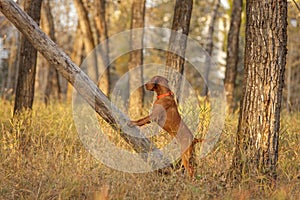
44,159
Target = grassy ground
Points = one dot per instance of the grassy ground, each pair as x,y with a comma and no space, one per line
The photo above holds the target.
44,159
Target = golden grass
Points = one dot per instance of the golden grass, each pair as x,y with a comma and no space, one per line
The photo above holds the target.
44,159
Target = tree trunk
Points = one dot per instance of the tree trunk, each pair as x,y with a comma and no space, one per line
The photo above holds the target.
83,84
53,76
3,71
27,63
256,150
12,67
293,59
136,89
101,26
177,43
209,46
89,43
77,55
232,52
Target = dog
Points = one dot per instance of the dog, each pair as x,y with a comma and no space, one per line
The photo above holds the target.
166,115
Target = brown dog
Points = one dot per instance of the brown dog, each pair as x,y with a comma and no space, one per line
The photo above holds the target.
165,113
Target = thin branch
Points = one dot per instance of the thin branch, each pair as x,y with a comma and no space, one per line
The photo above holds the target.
297,5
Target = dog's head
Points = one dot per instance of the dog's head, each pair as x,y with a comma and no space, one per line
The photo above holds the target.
155,82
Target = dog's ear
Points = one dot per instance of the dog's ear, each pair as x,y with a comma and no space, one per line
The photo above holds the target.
162,80
154,83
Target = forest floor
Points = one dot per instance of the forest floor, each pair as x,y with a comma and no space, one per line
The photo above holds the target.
44,158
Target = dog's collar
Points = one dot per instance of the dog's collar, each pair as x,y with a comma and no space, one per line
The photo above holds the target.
165,95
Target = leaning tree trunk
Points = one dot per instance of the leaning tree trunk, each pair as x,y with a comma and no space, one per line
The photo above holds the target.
27,63
136,98
177,43
265,57
209,46
232,52
83,84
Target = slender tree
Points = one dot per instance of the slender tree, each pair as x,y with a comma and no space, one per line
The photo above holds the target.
292,85
76,56
53,76
256,150
232,52
177,43
136,57
102,34
210,44
12,66
89,42
27,63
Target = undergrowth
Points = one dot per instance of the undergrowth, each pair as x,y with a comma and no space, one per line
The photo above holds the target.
42,157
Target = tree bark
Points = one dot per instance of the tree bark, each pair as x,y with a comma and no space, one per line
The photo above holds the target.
27,63
256,150
83,84
53,76
177,43
136,98
232,53
101,26
209,46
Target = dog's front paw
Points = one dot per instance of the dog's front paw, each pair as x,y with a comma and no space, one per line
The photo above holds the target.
131,124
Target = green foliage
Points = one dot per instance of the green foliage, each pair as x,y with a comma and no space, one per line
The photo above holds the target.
43,158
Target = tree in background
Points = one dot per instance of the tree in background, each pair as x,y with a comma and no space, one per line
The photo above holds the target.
292,86
89,42
27,63
209,45
232,52
53,84
102,35
256,150
10,70
136,98
76,56
177,42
